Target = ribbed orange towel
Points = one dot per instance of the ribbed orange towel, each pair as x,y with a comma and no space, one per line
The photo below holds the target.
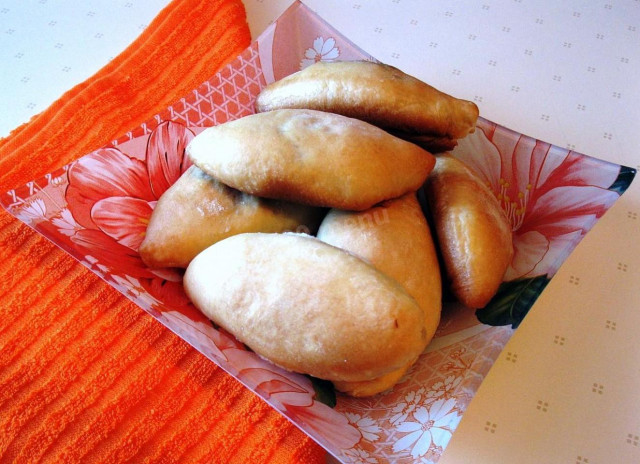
85,375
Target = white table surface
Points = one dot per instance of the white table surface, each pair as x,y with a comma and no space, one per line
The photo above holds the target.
564,72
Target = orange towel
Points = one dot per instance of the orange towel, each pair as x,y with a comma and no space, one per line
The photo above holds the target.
85,375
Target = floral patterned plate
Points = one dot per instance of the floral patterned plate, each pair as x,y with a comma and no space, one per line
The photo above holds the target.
97,208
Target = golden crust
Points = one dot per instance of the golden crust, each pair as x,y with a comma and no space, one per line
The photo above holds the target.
372,387
395,238
373,92
198,211
474,234
307,306
432,143
311,157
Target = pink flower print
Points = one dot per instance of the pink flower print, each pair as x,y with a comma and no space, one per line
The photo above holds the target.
403,408
65,223
322,50
431,429
295,396
32,212
552,196
111,196
368,427
105,173
165,155
359,456
443,389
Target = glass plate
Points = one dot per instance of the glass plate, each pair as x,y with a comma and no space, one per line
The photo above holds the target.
97,208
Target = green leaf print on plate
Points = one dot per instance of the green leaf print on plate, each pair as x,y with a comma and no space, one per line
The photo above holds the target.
512,301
